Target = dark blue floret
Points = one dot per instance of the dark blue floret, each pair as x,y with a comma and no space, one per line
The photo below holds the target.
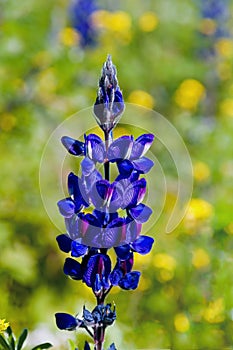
73,146
140,213
130,280
66,321
97,264
142,244
78,249
64,243
73,269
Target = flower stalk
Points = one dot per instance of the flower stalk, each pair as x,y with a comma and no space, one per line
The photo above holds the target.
91,235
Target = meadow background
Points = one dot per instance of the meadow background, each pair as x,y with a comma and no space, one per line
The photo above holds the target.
173,56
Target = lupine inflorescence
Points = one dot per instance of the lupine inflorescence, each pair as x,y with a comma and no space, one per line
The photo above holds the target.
101,214
215,15
81,19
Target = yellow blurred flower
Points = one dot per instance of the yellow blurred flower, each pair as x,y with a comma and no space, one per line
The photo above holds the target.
224,47
189,94
226,107
165,275
224,70
47,81
164,261
201,171
229,228
199,209
41,58
7,122
118,21
181,323
69,37
144,284
148,21
142,98
3,325
207,26
141,260
200,258
115,22
214,312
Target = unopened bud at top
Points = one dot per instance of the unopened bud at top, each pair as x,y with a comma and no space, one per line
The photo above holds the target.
109,103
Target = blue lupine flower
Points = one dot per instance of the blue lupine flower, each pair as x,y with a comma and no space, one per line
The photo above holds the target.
217,11
115,211
80,15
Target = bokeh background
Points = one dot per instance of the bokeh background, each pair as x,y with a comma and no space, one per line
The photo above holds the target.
174,56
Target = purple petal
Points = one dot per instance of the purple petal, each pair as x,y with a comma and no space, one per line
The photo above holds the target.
73,269
78,249
118,104
100,193
104,217
88,166
95,148
73,227
140,213
134,193
114,232
77,189
116,197
125,265
141,146
65,321
133,230
66,207
73,146
72,182
142,244
120,148
92,236
130,280
143,165
64,243
97,264
91,179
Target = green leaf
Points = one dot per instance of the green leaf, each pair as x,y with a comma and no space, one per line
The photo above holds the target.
72,345
42,346
22,338
11,339
4,343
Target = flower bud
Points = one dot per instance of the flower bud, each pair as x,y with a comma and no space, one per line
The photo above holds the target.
109,103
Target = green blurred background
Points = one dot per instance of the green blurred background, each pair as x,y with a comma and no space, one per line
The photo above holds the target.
168,58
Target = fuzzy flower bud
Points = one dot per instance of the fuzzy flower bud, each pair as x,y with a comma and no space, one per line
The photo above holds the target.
109,103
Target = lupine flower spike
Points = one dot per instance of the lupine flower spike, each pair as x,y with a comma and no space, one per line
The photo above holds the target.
115,215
